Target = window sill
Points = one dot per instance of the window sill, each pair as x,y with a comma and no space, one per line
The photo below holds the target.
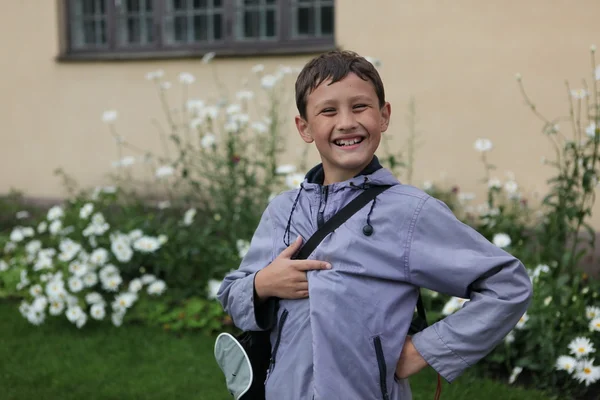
140,55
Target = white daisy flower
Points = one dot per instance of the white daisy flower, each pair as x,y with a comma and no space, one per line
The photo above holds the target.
33,247
210,112
164,171
501,240
55,213
233,109
245,95
285,169
55,290
126,299
494,183
146,244
579,94
208,57
595,325
99,257
259,127
213,288
97,311
293,181
587,372
86,211
117,319
592,312
511,187
514,374
35,317
55,227
109,116
258,68
162,205
510,337
188,218
135,234
75,284
208,140
135,285
242,246
483,145
81,320
22,215
90,279
581,346
28,231
522,321
157,287
39,304
108,271
112,283
155,75
3,266
36,290
78,268
56,307
16,235
148,279
74,313
94,298
269,81
186,78
162,239
42,227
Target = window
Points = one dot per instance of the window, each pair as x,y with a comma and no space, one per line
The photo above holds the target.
143,28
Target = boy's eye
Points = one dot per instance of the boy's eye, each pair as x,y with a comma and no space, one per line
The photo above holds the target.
360,106
328,110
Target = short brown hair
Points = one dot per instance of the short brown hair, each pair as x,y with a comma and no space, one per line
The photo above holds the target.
335,65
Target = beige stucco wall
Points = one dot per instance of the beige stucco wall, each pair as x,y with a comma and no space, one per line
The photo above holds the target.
457,58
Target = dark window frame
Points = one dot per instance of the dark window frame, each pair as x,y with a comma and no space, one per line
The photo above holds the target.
284,42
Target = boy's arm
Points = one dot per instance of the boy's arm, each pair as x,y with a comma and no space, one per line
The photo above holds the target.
450,257
237,293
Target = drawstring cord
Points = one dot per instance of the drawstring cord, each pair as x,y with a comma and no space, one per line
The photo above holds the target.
368,228
286,235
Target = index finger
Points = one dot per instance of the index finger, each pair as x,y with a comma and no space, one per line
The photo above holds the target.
307,265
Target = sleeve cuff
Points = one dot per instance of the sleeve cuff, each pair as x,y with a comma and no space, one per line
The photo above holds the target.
438,355
264,313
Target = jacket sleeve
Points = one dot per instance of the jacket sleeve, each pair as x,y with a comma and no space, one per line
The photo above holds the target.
450,257
237,294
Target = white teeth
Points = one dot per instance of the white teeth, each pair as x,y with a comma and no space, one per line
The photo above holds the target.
348,142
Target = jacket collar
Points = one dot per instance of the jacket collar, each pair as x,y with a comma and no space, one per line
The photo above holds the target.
317,174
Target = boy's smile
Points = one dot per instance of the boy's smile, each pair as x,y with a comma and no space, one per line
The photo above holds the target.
345,121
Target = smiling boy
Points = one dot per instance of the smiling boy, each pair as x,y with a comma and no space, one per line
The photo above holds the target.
340,330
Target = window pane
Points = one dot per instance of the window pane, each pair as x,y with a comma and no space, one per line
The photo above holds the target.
133,5
193,21
327,20
270,25
88,24
257,19
304,21
252,24
217,26
135,23
200,28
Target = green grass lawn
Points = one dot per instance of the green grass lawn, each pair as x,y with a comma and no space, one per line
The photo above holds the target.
58,361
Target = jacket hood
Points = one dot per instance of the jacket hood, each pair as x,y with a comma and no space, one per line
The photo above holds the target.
373,174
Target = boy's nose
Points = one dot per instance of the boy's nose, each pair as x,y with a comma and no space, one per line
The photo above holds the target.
346,121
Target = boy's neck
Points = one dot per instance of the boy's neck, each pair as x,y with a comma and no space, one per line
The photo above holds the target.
318,175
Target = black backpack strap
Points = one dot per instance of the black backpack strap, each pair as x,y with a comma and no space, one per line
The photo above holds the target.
338,219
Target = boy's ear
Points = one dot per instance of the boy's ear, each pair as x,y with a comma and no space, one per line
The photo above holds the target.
386,113
303,130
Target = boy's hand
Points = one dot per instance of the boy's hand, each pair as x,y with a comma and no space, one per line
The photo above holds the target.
410,361
286,278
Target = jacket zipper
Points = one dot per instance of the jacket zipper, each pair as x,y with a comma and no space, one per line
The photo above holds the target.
320,215
279,329
382,368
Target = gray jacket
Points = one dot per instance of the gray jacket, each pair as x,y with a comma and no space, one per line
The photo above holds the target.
344,341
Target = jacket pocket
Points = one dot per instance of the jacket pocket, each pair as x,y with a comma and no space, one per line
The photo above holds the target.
382,367
280,325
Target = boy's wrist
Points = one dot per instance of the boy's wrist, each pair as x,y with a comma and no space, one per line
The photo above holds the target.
260,289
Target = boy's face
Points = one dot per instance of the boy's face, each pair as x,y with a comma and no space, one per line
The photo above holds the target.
345,122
